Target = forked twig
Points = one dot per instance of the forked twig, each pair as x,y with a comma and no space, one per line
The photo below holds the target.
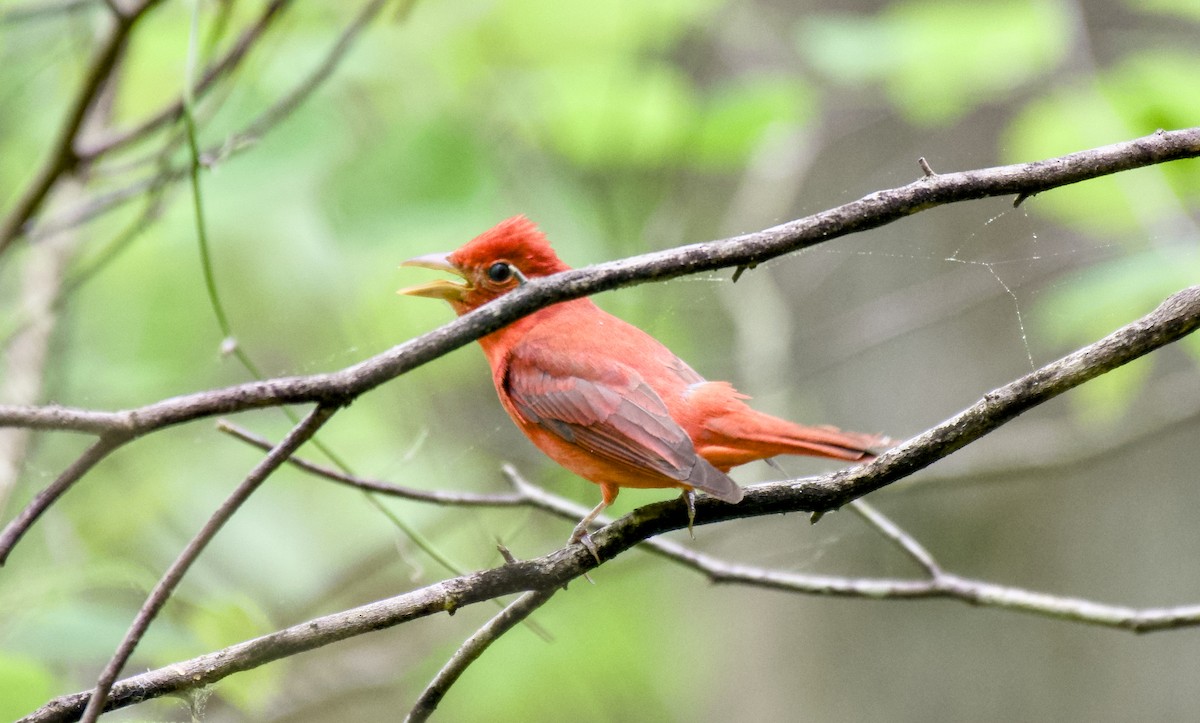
300,434
518,610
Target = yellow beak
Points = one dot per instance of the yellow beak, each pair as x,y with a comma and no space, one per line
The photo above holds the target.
442,288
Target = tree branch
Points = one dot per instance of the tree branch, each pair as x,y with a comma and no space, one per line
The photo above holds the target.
1174,318
462,499
62,156
741,251
158,597
173,111
868,212
474,647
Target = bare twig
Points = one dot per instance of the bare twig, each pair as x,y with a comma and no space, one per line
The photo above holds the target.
212,74
171,578
871,211
474,647
101,448
941,585
371,485
906,542
62,157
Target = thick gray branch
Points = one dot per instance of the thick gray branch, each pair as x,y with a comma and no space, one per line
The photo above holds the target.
1176,317
869,212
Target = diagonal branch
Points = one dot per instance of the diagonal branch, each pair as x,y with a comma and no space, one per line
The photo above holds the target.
158,597
1177,316
92,456
747,250
463,499
474,647
63,156
906,542
173,111
741,251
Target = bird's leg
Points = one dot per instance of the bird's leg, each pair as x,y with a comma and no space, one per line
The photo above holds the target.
580,534
689,497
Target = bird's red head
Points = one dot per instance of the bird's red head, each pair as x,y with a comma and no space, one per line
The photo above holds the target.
492,264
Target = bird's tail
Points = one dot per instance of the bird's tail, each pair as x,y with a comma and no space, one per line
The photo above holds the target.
744,435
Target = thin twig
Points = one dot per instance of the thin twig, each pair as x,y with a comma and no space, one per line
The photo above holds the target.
14,530
285,106
906,542
62,157
172,112
519,610
467,499
869,212
174,574
943,585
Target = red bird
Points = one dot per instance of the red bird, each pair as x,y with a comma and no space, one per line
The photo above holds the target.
605,399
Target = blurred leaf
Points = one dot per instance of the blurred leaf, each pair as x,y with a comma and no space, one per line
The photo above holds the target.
1104,297
223,623
1188,9
939,60
436,167
606,115
24,685
88,630
736,118
1145,92
550,32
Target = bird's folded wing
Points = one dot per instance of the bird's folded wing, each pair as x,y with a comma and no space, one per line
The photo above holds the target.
614,414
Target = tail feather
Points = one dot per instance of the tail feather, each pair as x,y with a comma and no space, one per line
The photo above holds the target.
728,433
756,436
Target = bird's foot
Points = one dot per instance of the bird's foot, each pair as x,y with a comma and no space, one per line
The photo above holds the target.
580,535
689,496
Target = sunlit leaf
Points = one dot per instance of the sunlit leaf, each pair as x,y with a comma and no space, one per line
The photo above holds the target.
1136,97
735,118
25,684
936,60
605,115
1188,9
230,621
1104,297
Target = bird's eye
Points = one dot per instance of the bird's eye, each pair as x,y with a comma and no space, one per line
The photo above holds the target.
500,272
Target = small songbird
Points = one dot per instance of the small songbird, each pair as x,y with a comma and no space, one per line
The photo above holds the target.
605,399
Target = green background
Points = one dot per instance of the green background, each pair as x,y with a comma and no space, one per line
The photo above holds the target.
621,128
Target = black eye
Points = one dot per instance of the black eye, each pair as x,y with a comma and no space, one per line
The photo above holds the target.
500,272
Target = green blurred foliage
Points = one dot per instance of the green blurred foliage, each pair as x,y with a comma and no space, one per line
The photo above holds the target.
26,683
937,61
621,127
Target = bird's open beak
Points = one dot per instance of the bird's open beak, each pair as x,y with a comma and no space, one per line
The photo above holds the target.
442,288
